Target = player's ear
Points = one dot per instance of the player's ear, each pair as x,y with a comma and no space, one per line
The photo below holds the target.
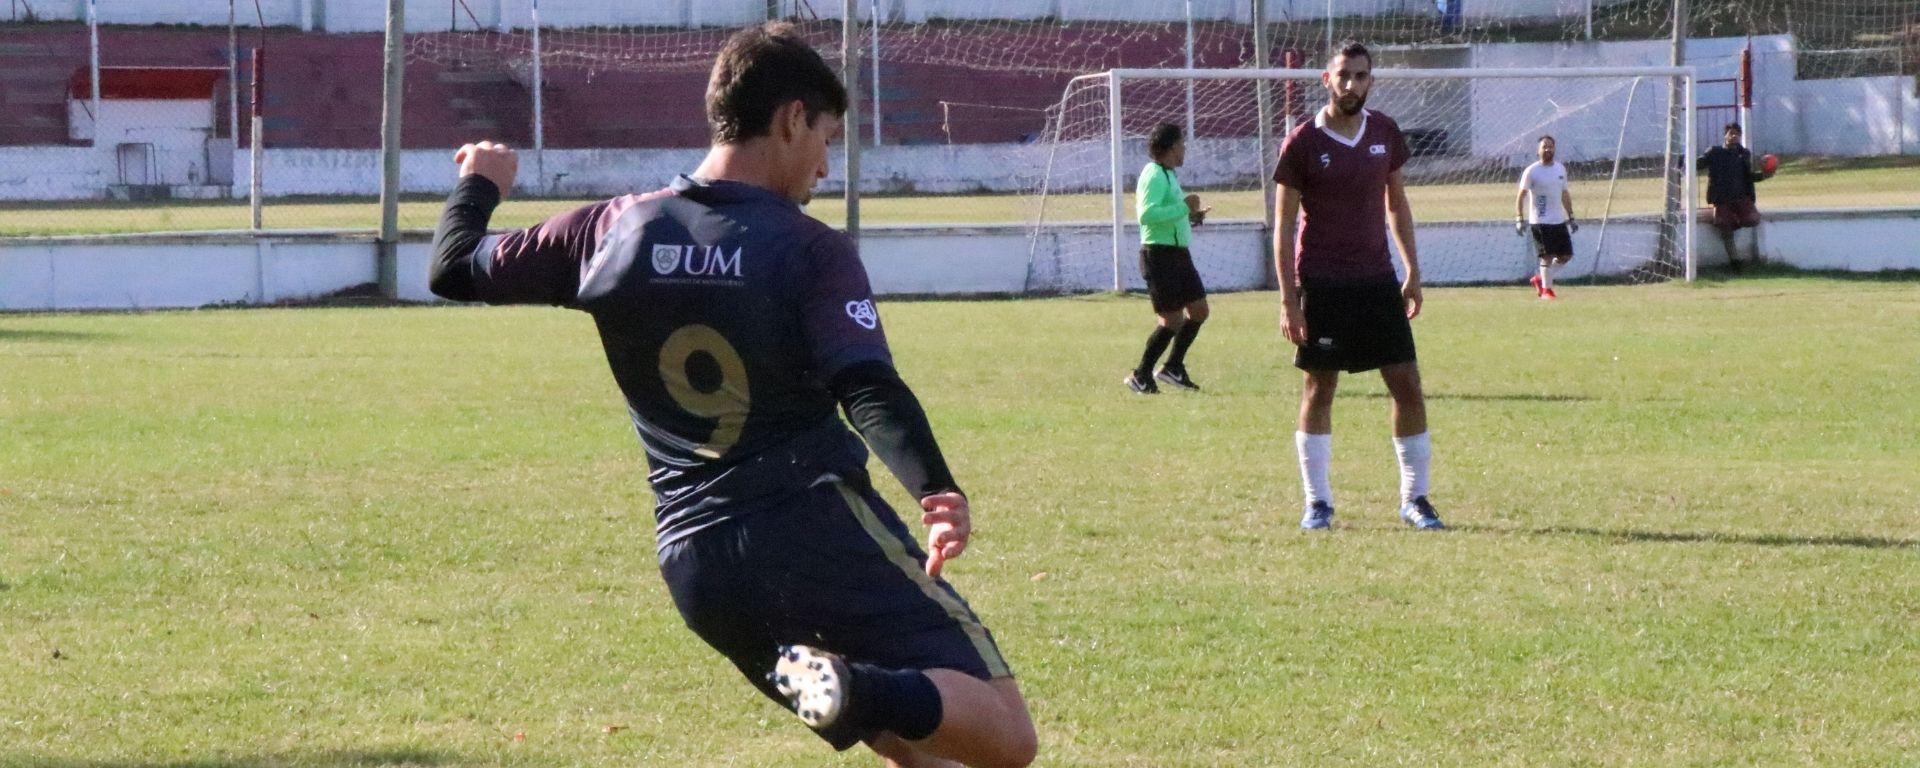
792,119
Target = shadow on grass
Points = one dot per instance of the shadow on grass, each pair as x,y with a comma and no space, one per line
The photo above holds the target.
15,334
1630,536
1474,397
355,758
1726,276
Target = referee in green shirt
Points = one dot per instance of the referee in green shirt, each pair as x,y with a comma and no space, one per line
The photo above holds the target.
1167,218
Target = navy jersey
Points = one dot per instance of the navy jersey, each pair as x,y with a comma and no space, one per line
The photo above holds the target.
724,310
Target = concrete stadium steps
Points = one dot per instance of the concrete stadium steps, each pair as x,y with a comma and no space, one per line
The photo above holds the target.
33,86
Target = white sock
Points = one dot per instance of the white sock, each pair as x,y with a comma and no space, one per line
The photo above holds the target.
1416,456
1546,278
1316,456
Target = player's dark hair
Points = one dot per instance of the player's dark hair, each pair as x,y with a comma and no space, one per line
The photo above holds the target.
760,69
1546,137
1354,49
1735,127
1164,136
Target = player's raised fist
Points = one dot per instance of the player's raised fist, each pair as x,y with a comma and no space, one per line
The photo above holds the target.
494,162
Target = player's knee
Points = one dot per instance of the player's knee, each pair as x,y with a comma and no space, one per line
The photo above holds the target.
1197,313
1172,321
1019,747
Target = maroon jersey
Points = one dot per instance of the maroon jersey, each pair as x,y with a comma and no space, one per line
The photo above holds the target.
1343,197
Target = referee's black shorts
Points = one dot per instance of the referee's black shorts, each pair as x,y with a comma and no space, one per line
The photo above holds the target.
1172,282
1552,241
1354,326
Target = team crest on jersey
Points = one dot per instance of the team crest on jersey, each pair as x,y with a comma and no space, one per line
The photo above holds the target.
862,313
666,258
1377,149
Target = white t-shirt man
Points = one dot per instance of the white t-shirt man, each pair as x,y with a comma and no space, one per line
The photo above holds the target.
1547,184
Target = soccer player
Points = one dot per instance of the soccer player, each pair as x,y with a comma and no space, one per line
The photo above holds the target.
1550,214
1730,178
1341,304
734,325
1167,218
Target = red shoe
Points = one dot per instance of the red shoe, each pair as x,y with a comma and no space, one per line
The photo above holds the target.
1548,294
1535,280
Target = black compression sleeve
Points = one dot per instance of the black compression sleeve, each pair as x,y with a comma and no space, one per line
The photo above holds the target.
463,223
885,412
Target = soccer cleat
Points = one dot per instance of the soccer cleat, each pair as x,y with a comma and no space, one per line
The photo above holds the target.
1177,377
814,682
1140,386
1537,290
1419,514
1549,294
1319,516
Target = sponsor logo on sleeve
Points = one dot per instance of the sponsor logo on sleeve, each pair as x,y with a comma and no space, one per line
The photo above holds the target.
863,314
1377,149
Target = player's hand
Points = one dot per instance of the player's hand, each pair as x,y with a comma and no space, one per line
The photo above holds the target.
949,525
1573,227
1410,291
494,162
1520,227
1198,217
1293,321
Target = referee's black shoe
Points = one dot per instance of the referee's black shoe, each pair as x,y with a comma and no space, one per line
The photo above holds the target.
1177,377
1141,385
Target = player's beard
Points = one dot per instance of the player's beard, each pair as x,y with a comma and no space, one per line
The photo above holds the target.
1546,158
1350,104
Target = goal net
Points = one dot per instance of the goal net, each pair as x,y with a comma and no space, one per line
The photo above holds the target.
1623,133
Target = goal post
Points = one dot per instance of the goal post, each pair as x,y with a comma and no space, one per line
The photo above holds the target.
1471,132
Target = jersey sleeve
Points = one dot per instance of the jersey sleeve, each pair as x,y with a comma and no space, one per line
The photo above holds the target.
837,314
541,264
1526,178
1291,171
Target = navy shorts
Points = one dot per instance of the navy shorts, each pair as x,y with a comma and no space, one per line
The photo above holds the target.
1354,327
834,568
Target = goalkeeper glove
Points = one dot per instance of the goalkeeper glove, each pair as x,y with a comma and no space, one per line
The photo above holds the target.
1573,227
1520,226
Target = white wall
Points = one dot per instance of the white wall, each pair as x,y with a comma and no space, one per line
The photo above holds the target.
177,130
1861,116
179,271
55,173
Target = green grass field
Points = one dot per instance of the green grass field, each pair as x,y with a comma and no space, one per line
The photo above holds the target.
1805,183
332,537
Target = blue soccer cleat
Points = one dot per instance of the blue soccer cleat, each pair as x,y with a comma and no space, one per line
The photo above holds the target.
1319,516
1419,514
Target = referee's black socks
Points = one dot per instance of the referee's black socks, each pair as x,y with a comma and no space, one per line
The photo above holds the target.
1178,360
1156,344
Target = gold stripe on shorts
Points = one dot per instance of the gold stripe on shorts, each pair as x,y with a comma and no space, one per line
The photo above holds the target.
897,554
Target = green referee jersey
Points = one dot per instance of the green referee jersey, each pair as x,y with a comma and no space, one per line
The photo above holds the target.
1162,208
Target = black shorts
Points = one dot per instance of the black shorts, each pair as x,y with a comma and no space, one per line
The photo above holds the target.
1552,241
834,569
1172,282
1354,327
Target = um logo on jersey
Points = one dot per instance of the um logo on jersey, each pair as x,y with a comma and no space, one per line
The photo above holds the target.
696,260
